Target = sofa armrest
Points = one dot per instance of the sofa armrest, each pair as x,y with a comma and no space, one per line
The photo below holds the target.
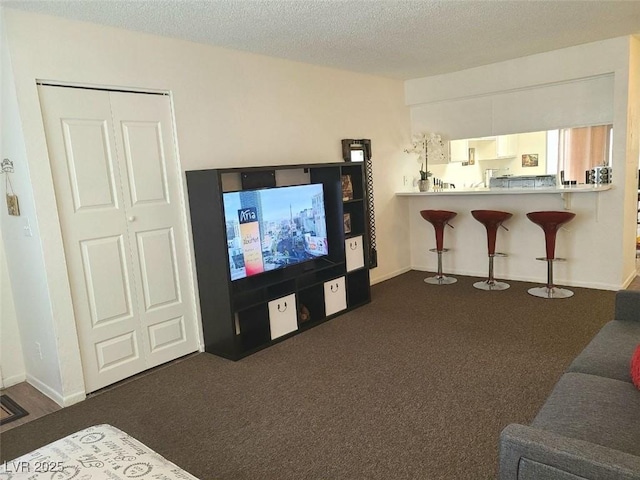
628,305
530,453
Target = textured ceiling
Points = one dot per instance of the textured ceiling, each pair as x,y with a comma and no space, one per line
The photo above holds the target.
393,38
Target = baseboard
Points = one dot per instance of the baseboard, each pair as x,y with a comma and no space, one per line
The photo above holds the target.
388,276
63,401
632,276
561,282
13,380
74,398
518,278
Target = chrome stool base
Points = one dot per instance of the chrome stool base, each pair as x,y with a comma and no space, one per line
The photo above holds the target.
553,292
550,290
440,280
491,285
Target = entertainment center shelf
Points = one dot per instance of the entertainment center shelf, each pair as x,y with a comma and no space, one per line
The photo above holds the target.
254,311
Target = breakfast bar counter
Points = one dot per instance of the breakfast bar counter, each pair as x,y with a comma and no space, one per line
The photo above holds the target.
509,191
580,242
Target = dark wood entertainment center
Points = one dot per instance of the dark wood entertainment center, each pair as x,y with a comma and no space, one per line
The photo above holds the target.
243,316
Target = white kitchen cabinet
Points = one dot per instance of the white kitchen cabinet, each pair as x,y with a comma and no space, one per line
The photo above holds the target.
459,150
496,147
506,146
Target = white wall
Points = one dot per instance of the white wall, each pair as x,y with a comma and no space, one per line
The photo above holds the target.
11,362
534,142
232,109
588,84
633,154
24,258
11,359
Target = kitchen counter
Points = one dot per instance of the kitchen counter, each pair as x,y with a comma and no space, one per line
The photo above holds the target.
523,243
509,191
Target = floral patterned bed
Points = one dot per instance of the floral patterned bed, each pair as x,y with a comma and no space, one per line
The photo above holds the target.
101,452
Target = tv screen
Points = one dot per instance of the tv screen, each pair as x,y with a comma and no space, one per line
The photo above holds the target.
274,228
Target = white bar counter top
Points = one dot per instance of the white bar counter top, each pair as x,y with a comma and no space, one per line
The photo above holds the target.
508,191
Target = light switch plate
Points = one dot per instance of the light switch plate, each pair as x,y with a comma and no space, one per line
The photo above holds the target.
26,228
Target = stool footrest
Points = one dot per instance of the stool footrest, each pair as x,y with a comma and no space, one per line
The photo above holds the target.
497,254
557,259
436,250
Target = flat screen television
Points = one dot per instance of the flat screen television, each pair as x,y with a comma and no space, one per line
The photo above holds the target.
274,228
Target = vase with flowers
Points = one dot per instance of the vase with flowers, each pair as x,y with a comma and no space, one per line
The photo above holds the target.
423,181
428,146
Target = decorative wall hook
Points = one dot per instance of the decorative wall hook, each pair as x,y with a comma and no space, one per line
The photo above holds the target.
13,207
6,166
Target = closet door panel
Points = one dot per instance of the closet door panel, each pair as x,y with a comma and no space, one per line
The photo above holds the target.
156,223
118,193
91,208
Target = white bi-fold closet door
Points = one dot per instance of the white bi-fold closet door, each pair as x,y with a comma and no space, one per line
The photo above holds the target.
117,184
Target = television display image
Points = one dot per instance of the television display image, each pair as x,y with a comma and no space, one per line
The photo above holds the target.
273,228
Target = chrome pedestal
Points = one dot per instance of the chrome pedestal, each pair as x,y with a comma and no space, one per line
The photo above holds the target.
443,280
440,278
491,283
550,290
553,292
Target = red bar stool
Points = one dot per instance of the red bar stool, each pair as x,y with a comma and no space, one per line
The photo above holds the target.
491,219
439,218
550,222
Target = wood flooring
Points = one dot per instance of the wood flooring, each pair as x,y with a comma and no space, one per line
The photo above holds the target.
31,400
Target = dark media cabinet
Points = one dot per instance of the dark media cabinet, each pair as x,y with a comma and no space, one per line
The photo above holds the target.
246,315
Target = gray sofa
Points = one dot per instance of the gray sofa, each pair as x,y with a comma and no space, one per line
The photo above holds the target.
589,427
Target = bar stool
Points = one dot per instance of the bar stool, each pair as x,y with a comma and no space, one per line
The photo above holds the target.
550,222
439,218
491,219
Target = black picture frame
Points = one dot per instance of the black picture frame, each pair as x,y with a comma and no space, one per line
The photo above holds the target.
356,150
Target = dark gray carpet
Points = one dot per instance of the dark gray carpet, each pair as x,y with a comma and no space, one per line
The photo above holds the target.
416,385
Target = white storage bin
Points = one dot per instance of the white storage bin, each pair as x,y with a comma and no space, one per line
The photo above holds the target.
283,318
335,296
354,253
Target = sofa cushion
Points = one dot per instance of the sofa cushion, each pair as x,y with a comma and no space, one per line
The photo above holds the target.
608,353
635,367
532,470
595,409
627,306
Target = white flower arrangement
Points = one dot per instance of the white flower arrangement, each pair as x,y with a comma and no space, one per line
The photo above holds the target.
428,146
